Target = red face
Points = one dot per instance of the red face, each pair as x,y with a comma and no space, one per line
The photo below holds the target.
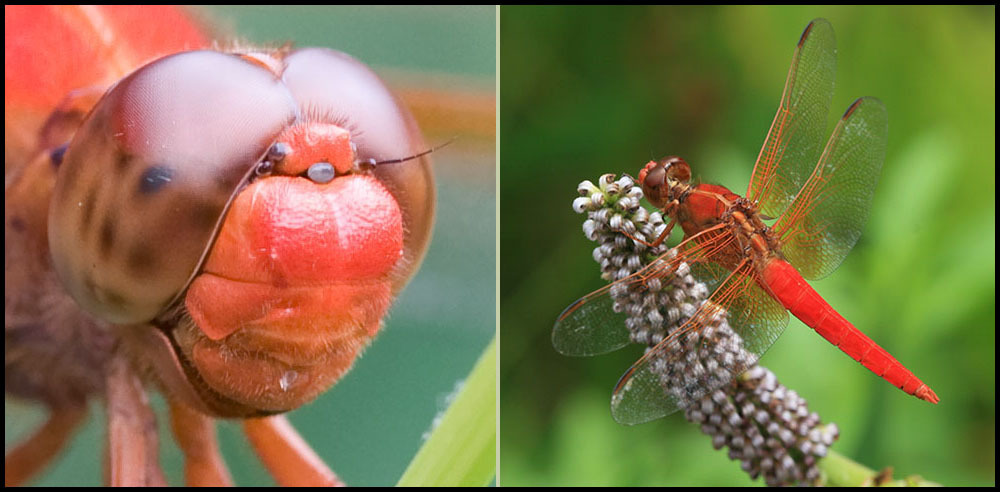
285,250
233,200
265,208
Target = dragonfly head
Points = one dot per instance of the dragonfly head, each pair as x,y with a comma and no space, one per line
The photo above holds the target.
660,179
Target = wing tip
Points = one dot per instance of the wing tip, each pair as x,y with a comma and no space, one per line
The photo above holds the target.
813,25
870,101
850,109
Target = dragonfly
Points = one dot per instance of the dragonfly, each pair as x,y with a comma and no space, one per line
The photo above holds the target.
819,197
168,226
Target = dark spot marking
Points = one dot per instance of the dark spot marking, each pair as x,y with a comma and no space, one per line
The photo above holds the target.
204,215
17,224
141,260
88,211
56,155
104,295
107,237
122,162
113,298
91,287
154,179
228,176
222,183
280,281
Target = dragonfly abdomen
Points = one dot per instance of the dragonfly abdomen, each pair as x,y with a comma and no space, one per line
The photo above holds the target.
799,298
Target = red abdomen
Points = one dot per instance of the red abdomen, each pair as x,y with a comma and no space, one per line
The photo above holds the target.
796,295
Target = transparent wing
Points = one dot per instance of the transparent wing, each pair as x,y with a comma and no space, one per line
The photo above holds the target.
795,139
826,219
612,316
594,324
726,336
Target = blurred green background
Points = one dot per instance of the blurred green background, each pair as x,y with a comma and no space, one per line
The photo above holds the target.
588,90
369,426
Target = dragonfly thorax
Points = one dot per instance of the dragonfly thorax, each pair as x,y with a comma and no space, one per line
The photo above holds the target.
708,210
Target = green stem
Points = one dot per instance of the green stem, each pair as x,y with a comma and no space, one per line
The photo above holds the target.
462,449
843,472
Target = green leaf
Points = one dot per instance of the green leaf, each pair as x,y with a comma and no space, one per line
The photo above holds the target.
462,449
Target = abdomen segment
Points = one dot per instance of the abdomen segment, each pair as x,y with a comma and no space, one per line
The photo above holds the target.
793,292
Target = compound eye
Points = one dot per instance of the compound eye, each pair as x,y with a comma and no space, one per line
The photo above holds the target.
677,168
655,176
145,183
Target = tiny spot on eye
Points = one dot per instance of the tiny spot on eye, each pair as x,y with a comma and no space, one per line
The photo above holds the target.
18,224
87,213
141,259
57,154
204,214
321,172
113,298
154,179
122,162
107,235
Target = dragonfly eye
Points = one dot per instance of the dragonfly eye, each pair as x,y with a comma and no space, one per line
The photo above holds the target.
653,178
57,154
676,168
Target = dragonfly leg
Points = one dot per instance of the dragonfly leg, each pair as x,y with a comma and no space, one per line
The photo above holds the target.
133,443
29,457
195,433
659,240
286,455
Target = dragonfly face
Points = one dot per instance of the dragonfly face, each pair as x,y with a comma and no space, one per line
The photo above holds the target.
218,227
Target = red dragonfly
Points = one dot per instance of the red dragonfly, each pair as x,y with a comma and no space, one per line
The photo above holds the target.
215,225
820,196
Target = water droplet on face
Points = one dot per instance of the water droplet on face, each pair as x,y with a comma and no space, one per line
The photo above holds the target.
287,379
